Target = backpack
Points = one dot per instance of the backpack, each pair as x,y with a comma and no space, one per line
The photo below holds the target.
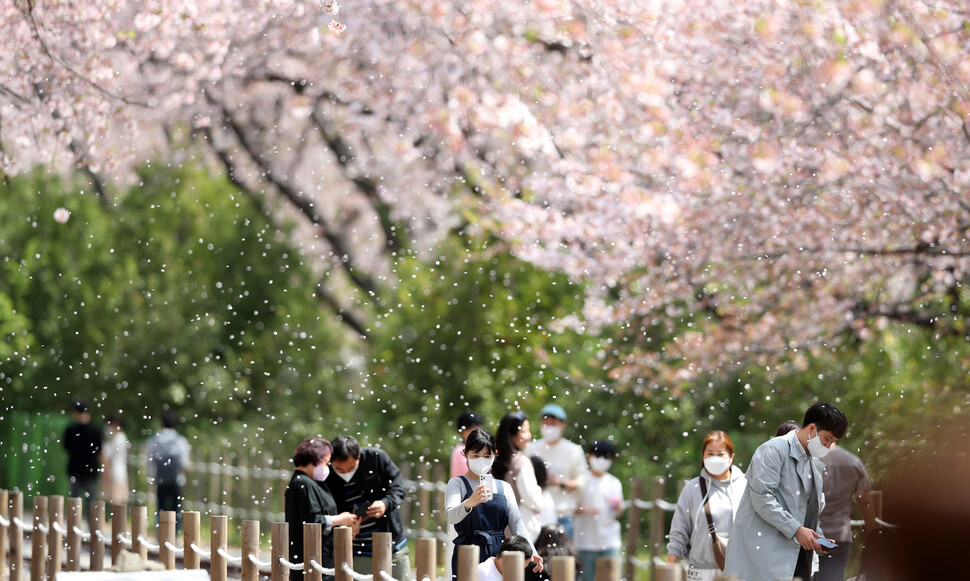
166,456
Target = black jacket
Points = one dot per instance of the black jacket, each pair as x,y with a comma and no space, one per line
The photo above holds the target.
308,501
377,478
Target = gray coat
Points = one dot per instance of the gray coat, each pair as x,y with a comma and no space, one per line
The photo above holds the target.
763,545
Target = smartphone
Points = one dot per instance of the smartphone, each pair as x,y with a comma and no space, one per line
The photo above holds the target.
361,509
826,543
488,481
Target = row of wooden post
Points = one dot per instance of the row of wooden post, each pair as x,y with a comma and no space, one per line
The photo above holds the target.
47,543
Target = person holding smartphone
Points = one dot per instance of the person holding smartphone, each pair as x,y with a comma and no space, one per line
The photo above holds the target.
481,511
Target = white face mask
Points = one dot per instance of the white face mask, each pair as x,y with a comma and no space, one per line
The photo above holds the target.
815,447
717,465
550,433
320,472
600,464
480,466
346,476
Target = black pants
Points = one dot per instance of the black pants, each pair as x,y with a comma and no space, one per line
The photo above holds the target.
803,567
170,498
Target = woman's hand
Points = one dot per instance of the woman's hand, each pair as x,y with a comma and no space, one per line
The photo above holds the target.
537,566
478,496
344,519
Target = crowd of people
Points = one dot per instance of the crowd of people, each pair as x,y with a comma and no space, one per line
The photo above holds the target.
786,517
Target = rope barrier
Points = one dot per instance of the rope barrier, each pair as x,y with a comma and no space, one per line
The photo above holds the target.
177,550
43,530
229,558
204,554
290,566
59,529
148,545
4,522
638,563
879,521
322,569
21,524
258,563
385,576
124,539
100,536
84,536
354,574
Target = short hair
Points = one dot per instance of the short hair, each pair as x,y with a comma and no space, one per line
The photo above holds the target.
170,419
468,419
344,448
786,426
480,439
542,474
516,543
604,448
826,417
311,451
718,436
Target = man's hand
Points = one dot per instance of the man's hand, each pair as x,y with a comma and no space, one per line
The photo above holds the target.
806,538
376,509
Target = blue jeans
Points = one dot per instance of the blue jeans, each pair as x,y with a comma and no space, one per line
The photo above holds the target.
567,523
588,559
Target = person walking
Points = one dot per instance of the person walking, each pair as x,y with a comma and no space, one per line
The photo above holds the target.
83,441
709,500
565,462
514,467
114,456
168,454
365,482
776,532
597,530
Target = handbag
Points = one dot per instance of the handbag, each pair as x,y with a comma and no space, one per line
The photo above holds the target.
717,543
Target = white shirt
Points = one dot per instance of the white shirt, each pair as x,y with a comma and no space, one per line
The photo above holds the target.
116,451
487,571
566,461
596,532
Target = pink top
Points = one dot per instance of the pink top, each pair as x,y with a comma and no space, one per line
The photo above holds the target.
459,464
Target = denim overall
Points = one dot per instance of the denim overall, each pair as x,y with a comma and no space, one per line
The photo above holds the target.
484,526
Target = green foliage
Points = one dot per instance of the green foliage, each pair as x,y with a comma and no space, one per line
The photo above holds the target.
176,295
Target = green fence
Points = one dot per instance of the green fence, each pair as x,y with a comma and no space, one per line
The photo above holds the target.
33,458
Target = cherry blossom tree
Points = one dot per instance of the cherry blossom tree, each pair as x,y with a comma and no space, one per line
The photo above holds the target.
733,182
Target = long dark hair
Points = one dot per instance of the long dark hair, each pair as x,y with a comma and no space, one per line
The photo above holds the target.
508,427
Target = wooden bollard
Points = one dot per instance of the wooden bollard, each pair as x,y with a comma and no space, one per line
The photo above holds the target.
220,540
191,535
381,554
875,497
657,521
38,555
96,544
119,526
74,541
513,566
633,527
4,531
250,546
166,537
312,543
55,538
343,552
280,543
139,531
16,536
467,563
607,569
562,568
426,560
668,572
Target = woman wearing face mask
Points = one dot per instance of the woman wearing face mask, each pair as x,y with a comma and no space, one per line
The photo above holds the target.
481,512
720,485
514,467
308,500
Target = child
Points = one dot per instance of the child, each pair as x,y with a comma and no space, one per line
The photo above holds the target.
597,530
491,569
